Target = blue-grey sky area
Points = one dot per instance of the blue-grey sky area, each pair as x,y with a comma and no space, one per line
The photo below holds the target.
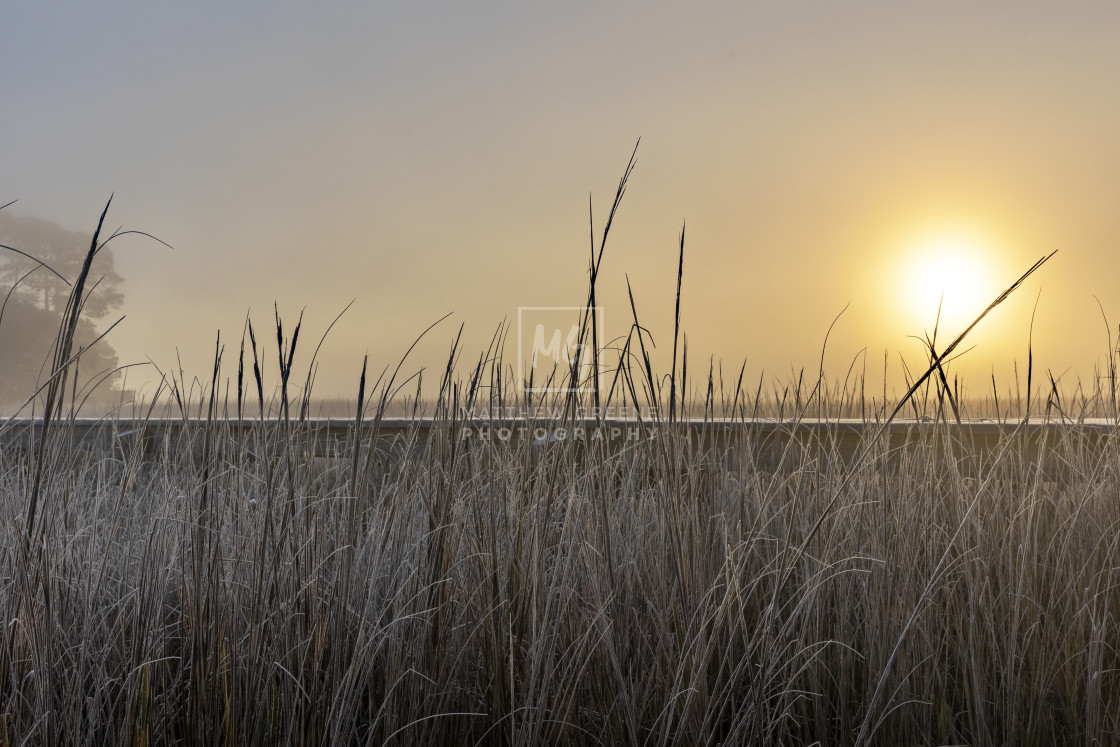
426,158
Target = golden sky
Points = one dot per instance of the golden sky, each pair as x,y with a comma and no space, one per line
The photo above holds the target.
427,158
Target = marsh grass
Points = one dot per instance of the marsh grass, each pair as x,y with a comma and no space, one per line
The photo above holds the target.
225,584
663,593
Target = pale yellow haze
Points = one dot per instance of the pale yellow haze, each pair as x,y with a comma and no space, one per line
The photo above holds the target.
427,158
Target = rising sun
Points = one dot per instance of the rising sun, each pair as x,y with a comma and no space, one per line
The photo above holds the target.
952,272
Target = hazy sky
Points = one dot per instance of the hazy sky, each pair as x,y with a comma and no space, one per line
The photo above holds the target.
426,158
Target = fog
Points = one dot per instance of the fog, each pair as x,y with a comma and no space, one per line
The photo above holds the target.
441,158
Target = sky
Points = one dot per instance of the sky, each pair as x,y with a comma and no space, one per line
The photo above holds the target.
425,159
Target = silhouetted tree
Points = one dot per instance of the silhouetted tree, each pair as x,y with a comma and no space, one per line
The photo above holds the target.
34,304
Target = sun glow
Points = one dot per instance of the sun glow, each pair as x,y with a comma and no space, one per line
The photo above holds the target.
952,272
